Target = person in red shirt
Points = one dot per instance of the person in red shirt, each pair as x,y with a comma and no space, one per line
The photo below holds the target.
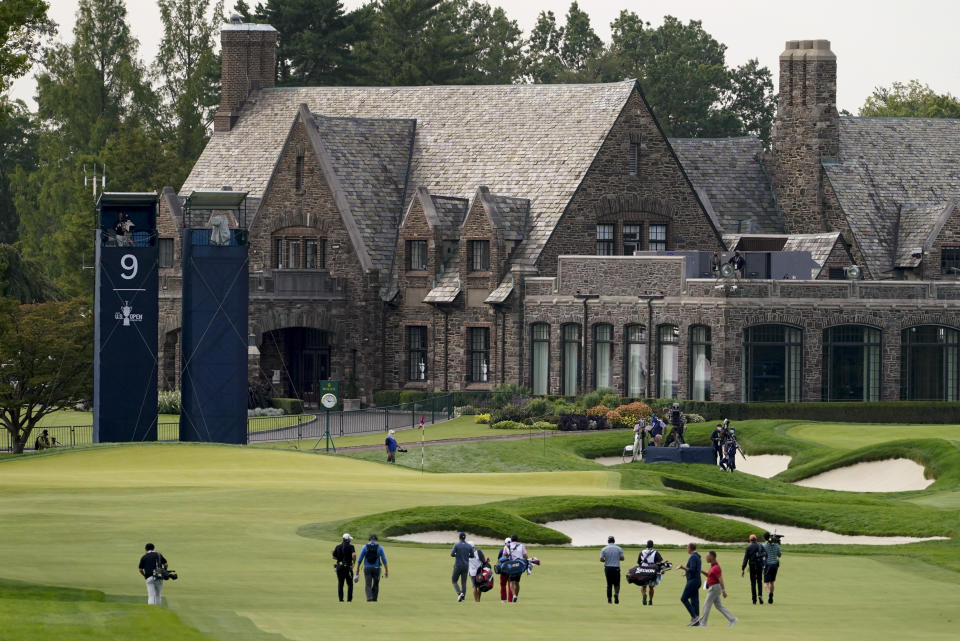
715,590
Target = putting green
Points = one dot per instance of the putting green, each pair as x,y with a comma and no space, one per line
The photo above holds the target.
227,517
846,436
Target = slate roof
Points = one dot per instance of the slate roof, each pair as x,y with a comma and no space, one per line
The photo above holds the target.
501,293
535,141
888,171
450,213
446,289
371,160
730,175
919,227
819,245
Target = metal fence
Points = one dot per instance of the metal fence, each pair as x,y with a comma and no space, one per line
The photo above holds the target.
262,429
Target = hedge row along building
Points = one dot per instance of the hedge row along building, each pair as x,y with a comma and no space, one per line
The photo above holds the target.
459,237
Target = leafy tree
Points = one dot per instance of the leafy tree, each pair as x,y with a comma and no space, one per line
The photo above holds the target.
189,73
751,100
580,44
415,42
46,352
22,25
22,279
563,54
912,99
18,149
497,42
543,64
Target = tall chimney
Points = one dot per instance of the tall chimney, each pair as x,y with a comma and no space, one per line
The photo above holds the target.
248,55
806,132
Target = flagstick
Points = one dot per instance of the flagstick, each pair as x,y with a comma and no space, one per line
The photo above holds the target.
422,430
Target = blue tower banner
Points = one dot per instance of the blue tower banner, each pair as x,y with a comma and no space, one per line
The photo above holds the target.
214,347
125,327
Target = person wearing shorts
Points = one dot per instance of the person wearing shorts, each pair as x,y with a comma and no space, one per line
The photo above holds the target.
771,565
517,551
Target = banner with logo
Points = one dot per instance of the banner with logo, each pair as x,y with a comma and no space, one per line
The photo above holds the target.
125,336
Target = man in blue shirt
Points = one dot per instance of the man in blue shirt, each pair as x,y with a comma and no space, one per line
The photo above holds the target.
370,558
391,445
691,595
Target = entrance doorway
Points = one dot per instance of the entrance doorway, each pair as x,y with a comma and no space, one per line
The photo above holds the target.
307,356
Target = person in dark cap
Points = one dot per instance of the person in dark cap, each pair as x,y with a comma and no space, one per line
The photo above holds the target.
649,557
461,553
611,556
370,560
345,555
755,556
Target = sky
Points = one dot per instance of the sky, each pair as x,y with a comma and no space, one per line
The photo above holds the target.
876,42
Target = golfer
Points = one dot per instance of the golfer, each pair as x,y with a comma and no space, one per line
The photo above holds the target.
771,564
755,556
691,597
149,563
649,556
345,556
391,446
461,553
506,594
715,590
371,557
611,556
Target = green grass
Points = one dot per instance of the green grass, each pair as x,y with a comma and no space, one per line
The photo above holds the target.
848,437
250,531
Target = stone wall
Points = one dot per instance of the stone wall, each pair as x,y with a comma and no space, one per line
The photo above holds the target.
621,275
247,60
949,236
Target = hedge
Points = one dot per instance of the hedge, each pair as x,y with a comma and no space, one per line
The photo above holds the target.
288,405
872,412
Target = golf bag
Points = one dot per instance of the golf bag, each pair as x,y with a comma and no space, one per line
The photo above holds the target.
485,579
647,574
513,567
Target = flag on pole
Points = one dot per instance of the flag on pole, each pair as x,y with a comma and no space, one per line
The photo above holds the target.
420,427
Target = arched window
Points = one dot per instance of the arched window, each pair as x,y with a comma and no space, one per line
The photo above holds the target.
541,358
571,360
603,355
771,363
928,363
700,357
636,360
851,363
669,360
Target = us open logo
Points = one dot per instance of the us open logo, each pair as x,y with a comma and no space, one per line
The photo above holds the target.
127,316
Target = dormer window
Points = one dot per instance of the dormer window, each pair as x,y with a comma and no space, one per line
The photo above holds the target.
479,255
416,255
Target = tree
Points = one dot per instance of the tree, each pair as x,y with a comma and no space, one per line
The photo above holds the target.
46,353
912,99
497,43
543,63
751,100
22,25
581,44
22,279
18,149
563,54
190,73
415,42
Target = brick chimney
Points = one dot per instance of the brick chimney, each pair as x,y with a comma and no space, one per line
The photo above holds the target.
248,57
806,132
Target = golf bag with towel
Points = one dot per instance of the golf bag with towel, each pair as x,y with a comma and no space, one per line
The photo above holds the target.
647,574
485,579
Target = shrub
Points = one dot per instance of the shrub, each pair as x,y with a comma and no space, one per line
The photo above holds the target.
467,410
553,419
610,400
631,413
562,406
288,405
503,394
598,410
544,425
412,396
591,399
516,413
615,419
508,425
483,419
693,418
539,407
265,411
573,422
386,397
168,402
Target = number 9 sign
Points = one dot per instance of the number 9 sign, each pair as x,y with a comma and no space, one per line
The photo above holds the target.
128,263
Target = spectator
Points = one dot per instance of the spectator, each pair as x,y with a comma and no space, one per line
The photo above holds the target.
371,558
391,445
715,590
754,556
691,597
149,563
345,556
738,262
611,556
461,553
649,557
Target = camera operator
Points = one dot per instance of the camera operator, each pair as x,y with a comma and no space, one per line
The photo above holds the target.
43,441
345,556
755,556
772,563
149,564
675,437
716,438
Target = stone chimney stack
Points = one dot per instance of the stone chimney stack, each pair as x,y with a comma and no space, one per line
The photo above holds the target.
248,56
806,132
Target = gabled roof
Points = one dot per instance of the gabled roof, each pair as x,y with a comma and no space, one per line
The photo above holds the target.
450,213
919,227
507,215
887,164
446,289
536,141
370,158
730,175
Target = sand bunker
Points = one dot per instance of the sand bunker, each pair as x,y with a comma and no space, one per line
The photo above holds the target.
799,536
446,536
765,465
895,475
589,532
610,460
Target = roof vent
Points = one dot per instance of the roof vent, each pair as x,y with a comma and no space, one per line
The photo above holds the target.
235,18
